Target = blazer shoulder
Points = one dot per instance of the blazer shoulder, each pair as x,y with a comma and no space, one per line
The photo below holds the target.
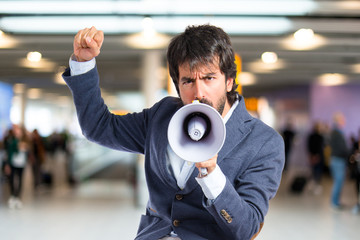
167,104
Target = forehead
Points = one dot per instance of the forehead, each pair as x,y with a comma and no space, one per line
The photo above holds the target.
187,69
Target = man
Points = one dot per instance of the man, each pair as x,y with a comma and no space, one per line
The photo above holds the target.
315,147
288,135
231,201
339,158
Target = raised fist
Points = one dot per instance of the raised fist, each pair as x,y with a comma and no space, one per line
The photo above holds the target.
87,44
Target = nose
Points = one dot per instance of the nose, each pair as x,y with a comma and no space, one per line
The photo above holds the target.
199,91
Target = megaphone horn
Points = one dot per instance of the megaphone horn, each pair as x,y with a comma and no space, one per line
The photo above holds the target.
196,132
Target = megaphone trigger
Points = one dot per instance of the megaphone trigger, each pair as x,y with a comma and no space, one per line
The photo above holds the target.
203,172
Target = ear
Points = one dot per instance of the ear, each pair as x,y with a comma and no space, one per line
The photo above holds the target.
229,84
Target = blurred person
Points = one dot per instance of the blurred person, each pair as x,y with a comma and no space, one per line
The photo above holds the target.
315,147
17,145
2,158
11,148
3,176
327,149
288,135
231,201
38,157
65,145
339,157
55,142
355,162
68,150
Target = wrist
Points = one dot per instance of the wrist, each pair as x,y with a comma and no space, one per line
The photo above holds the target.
76,58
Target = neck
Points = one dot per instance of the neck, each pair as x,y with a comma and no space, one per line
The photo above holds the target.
226,108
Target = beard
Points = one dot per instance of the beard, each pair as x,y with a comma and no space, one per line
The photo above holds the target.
219,107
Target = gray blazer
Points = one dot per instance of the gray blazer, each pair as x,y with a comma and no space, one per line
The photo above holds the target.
252,160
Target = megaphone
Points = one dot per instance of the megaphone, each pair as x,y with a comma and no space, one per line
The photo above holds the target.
196,132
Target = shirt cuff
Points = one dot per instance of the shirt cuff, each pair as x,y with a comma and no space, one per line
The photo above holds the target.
213,184
78,68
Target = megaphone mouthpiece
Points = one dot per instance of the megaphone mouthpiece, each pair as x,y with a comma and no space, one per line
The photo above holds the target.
197,126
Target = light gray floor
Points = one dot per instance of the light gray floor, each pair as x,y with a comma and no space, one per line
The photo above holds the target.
104,209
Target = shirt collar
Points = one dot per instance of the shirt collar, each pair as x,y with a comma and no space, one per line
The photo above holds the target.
229,113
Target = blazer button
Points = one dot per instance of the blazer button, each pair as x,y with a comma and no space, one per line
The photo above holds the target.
226,215
176,223
179,197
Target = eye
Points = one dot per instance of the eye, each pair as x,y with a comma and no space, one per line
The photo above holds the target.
186,82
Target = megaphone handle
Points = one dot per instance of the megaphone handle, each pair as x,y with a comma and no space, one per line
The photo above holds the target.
203,172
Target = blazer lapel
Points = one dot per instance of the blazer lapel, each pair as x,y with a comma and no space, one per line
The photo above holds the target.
161,143
236,129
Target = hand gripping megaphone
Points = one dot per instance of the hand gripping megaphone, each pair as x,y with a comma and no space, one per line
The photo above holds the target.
196,132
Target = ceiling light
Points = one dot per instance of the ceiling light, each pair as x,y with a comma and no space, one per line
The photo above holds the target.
44,65
355,68
269,57
346,5
7,41
148,27
246,79
332,79
34,56
148,38
261,67
34,93
300,45
304,34
19,88
143,41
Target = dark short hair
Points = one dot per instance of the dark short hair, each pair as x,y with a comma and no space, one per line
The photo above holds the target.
202,45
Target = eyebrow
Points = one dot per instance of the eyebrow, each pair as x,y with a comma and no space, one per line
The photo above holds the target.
185,79
192,79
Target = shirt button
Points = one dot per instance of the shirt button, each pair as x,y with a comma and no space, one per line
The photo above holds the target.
176,223
179,197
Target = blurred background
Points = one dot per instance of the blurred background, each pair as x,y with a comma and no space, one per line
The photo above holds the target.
298,64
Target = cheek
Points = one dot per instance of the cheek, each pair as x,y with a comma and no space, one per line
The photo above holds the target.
185,96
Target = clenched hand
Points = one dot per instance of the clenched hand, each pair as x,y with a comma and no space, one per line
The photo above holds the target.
87,44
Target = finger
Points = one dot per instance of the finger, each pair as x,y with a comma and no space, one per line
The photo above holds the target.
205,164
91,33
99,38
94,38
77,38
81,37
91,40
83,42
209,164
88,35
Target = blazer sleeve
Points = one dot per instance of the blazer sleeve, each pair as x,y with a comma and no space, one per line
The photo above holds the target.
97,123
241,207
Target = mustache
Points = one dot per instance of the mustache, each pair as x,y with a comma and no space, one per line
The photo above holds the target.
219,108
205,101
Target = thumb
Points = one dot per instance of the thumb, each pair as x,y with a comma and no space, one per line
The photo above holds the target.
91,43
93,46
